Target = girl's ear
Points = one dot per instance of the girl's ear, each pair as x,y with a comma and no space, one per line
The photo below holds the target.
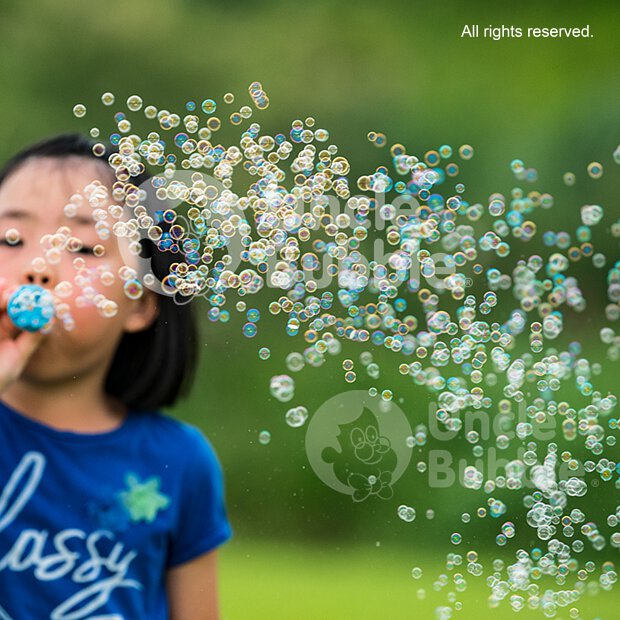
143,312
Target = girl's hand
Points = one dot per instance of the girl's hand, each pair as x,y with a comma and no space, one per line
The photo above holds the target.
16,346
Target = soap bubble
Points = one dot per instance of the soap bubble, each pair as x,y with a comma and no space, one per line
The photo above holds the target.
12,236
576,487
208,106
108,308
133,289
591,214
466,151
79,110
249,330
295,362
406,513
134,103
282,388
569,179
107,99
296,416
595,170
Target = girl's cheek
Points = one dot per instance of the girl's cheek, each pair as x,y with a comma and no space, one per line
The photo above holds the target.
91,320
79,311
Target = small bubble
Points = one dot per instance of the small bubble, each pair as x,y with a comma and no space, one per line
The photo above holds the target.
350,377
569,179
79,110
98,149
466,151
387,394
295,362
296,416
208,106
406,513
134,103
249,330
282,387
595,170
107,99
12,236
132,288
108,309
150,112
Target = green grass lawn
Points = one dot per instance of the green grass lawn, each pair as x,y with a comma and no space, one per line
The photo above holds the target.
285,580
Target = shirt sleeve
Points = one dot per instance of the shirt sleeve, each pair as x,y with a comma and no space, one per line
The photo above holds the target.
202,522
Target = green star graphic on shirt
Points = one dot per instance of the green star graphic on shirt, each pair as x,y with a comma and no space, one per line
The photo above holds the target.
143,499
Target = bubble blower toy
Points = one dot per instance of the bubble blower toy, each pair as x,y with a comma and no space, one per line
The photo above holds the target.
31,307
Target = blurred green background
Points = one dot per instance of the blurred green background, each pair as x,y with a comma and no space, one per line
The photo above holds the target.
300,549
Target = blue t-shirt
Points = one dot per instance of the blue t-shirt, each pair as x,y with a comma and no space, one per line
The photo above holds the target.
89,523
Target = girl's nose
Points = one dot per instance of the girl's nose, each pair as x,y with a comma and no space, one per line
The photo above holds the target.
42,278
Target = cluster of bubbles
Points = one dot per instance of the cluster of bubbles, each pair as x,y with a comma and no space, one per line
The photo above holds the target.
399,259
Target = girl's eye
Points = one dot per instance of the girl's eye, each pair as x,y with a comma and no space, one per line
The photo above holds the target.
12,244
84,249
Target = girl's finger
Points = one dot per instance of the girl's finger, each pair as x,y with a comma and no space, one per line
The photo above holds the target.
15,355
5,293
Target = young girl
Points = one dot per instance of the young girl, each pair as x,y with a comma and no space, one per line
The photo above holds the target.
109,509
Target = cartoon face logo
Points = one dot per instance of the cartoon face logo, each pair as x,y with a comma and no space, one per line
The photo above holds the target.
356,444
369,446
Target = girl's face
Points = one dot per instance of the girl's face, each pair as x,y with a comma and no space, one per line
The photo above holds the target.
32,201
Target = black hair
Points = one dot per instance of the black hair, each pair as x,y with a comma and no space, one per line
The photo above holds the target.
151,368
